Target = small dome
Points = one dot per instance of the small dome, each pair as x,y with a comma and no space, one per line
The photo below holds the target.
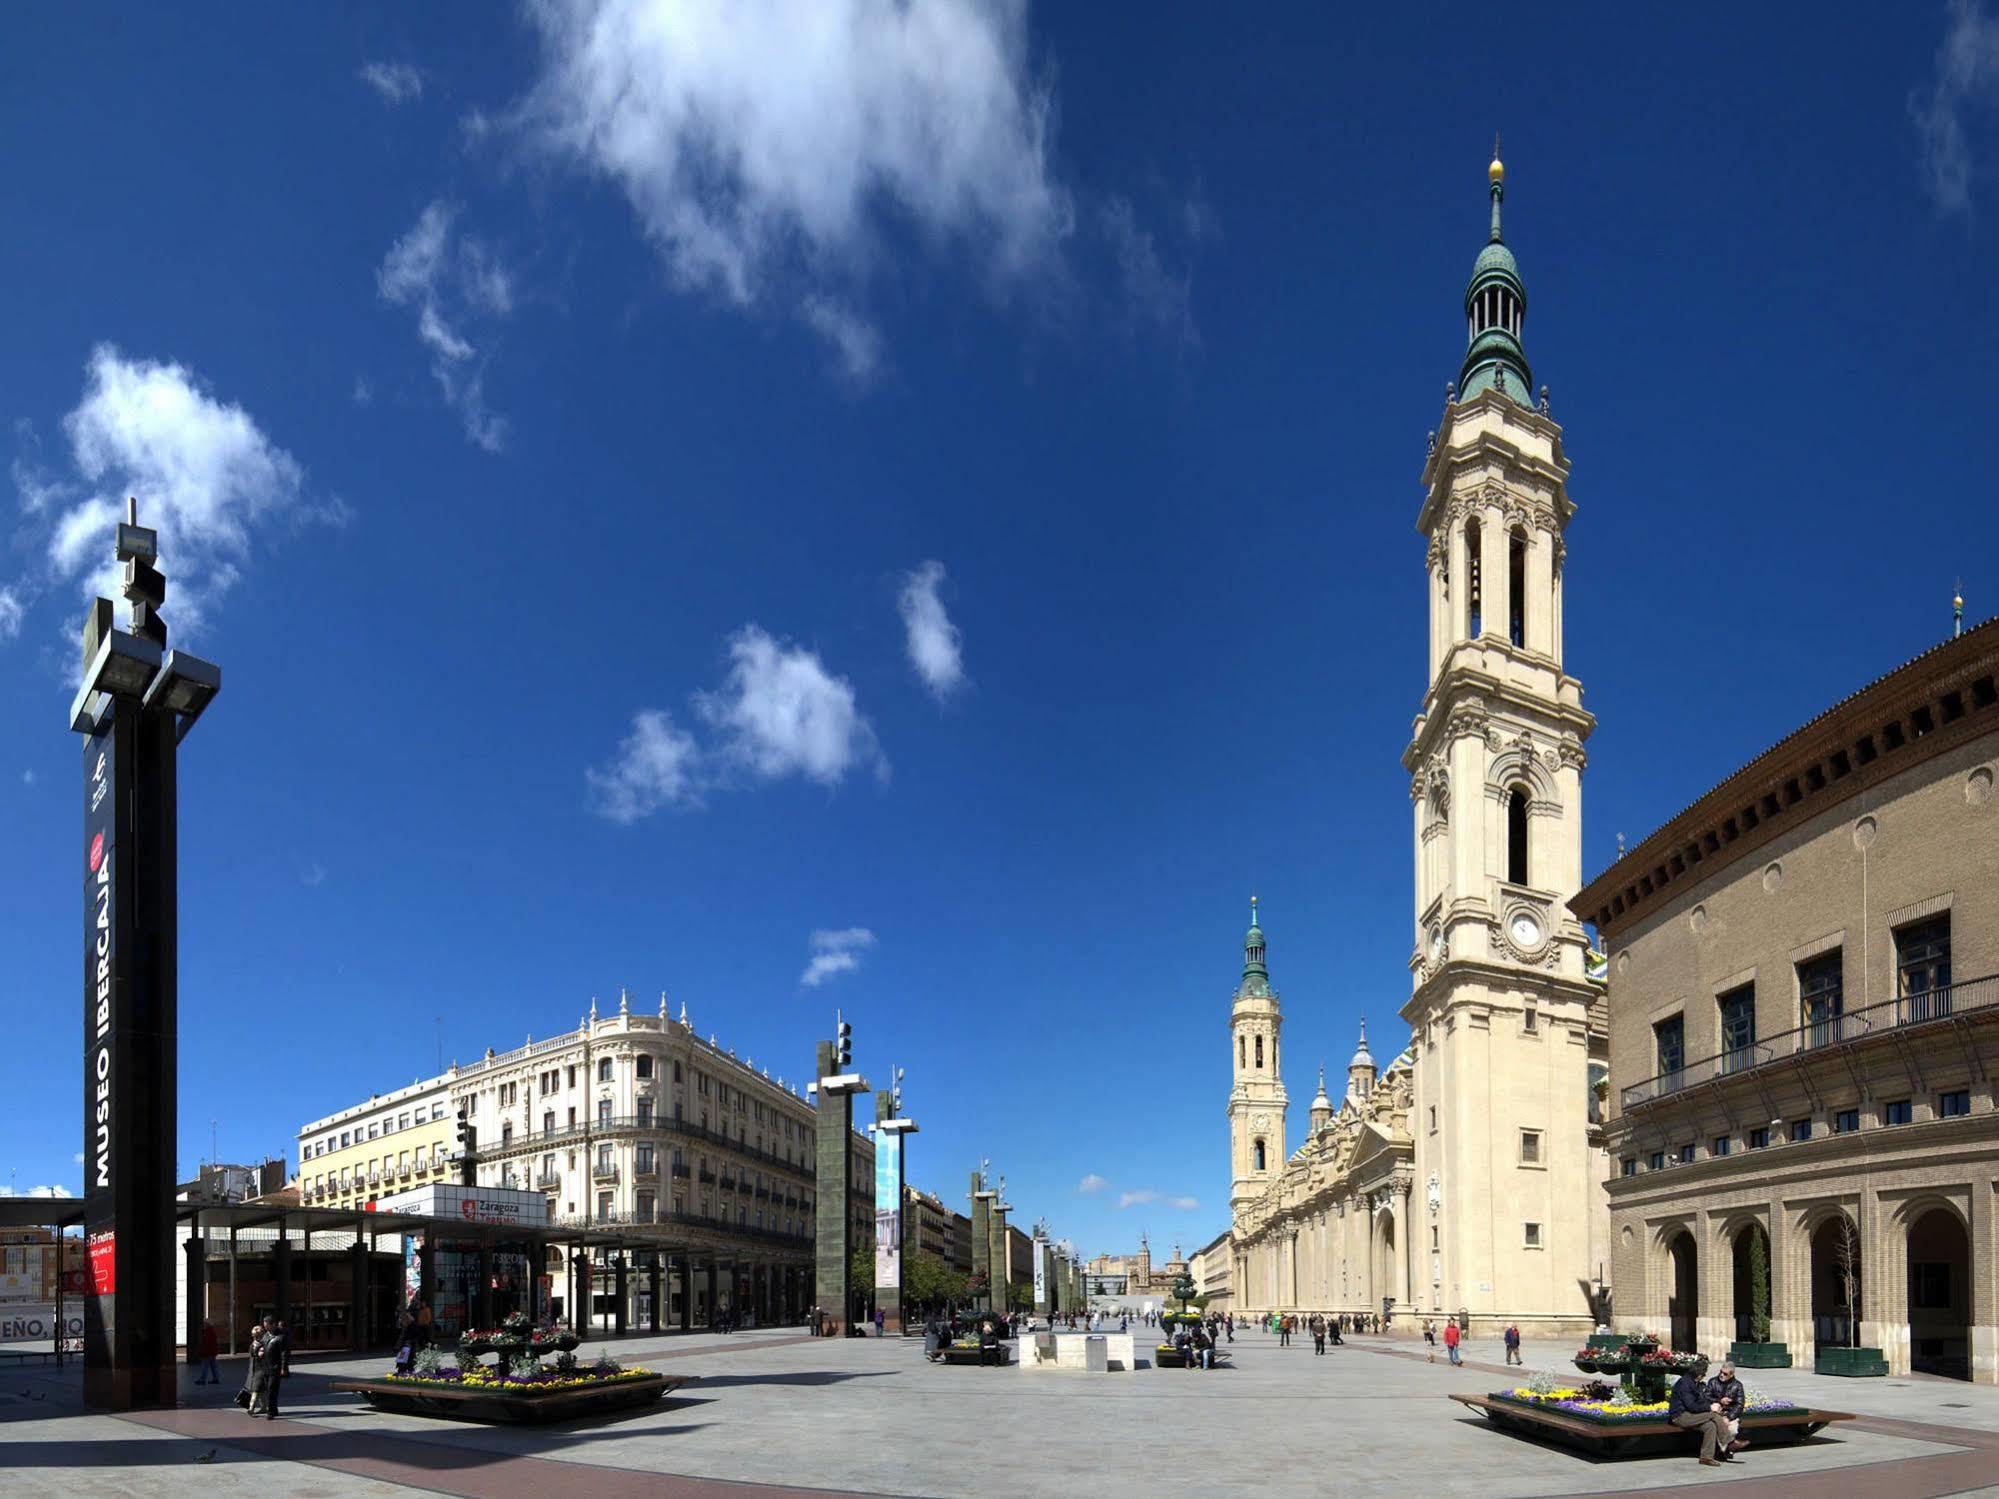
1362,1057
1495,257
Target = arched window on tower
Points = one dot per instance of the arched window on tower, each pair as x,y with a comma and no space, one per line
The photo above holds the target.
1259,1155
1259,1051
1472,620
1516,836
1516,587
1242,1051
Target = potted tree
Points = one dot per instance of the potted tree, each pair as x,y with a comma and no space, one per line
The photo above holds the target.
1852,1361
1758,1352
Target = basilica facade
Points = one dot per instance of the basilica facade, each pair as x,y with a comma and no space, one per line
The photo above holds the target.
1467,1178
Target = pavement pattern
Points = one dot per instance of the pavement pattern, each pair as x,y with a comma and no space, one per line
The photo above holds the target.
773,1413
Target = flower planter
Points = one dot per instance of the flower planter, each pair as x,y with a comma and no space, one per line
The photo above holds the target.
1851,1363
511,1404
1637,1432
1760,1355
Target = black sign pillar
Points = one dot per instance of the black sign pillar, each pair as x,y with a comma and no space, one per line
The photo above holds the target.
136,704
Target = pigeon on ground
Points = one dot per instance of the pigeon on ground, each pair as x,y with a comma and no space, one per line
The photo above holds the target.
207,1457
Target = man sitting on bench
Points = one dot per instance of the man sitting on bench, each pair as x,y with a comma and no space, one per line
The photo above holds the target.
1689,1407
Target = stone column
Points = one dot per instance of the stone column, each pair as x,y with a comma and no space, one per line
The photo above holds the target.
1495,576
359,1333
281,1272
1002,1258
982,1234
1984,1246
1541,591
714,1308
1790,1283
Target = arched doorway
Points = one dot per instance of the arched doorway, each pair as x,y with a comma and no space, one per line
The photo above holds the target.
1836,1272
1940,1295
1752,1284
1681,1303
1384,1263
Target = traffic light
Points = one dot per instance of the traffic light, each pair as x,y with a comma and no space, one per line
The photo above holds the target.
468,1146
895,1094
843,1043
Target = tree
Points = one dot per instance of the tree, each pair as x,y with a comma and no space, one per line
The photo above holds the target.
927,1281
1183,1289
1020,1295
1759,1285
1846,1255
863,1269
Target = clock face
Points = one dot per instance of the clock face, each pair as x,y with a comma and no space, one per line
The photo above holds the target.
1526,931
1436,942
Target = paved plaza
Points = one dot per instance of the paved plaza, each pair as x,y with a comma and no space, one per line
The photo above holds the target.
777,1412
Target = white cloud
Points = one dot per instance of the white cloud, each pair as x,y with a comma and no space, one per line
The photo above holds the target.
313,875
11,610
1155,298
935,645
853,338
36,1192
1091,1183
1967,75
362,393
77,1159
205,475
27,778
1147,1195
835,952
782,713
396,82
655,767
450,284
762,143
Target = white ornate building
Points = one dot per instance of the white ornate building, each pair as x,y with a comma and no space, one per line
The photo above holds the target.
1488,1120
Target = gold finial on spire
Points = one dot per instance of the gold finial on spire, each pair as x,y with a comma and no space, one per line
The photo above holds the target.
1497,171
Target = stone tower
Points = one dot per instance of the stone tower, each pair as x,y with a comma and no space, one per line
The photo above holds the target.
1257,1101
1500,1014
1361,1071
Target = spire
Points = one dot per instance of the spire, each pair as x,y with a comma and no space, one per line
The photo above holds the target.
1255,977
1496,311
1957,612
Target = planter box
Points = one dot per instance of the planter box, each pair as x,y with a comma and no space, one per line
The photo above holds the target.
974,1356
1851,1363
1760,1355
1600,1438
498,1406
1614,1341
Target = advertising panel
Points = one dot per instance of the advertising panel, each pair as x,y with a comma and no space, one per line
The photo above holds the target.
888,1210
1040,1275
37,1323
107,950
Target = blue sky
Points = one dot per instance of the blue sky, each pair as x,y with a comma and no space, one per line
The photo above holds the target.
558,417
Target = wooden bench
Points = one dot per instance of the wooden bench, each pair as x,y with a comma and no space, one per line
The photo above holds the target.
1630,1438
975,1356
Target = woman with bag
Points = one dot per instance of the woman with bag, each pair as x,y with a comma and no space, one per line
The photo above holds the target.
257,1378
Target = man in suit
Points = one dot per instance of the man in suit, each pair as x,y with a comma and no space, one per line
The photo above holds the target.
1688,1407
277,1357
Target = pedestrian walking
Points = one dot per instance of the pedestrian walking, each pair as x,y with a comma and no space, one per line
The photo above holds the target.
1451,1338
1513,1343
1430,1336
277,1364
206,1350
255,1375
1318,1334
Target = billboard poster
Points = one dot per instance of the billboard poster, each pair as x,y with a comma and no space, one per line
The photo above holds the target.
107,949
888,1210
1040,1276
36,1323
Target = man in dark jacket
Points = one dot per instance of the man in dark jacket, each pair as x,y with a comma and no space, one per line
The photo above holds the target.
1688,1407
1725,1393
277,1361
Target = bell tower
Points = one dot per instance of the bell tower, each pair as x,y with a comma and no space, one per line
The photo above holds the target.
1501,1014
1257,1101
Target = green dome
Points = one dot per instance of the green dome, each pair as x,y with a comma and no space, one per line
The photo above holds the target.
1495,257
